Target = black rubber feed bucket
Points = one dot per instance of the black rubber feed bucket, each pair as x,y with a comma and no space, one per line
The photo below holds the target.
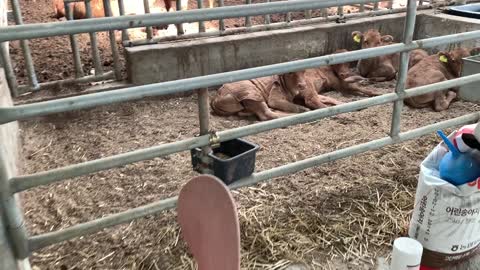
233,160
469,11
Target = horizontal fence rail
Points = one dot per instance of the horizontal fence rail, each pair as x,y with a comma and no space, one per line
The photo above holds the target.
30,31
25,182
24,245
81,78
178,86
43,240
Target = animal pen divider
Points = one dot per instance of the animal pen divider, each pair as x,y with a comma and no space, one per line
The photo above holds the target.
23,244
98,73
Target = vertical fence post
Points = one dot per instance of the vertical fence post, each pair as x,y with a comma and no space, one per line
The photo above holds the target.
403,69
201,24
13,236
204,118
308,14
6,63
267,16
32,77
221,25
146,8
248,20
77,62
93,42
180,30
375,6
121,11
5,60
113,44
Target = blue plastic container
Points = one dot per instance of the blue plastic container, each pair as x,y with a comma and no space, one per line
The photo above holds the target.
456,167
469,11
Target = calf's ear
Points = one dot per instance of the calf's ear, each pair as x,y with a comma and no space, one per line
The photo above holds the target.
445,57
357,36
387,38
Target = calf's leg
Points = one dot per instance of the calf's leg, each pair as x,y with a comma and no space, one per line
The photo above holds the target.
226,105
355,88
262,111
278,100
443,100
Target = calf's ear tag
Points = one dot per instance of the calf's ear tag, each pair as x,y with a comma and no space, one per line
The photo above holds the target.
357,38
443,59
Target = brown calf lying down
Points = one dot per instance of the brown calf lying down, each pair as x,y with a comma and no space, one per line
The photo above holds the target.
385,67
337,77
433,69
259,96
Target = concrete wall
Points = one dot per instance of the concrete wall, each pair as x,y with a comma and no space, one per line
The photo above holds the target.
184,59
9,156
429,25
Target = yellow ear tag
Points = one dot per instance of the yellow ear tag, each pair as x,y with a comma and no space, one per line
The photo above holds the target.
443,59
357,38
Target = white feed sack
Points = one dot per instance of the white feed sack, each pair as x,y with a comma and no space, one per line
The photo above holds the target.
446,218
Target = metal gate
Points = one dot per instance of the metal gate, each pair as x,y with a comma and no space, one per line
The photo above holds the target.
25,244
99,74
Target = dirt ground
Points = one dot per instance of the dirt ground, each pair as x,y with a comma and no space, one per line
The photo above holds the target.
341,215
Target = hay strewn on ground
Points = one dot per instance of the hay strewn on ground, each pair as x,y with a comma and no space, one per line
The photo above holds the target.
336,216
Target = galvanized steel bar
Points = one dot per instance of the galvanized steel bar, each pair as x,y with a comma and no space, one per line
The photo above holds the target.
61,83
7,66
121,11
93,42
40,241
27,55
31,31
248,20
267,16
272,26
113,44
146,8
221,23
12,213
308,14
139,92
43,240
77,62
180,30
288,17
21,183
201,24
362,8
204,119
409,28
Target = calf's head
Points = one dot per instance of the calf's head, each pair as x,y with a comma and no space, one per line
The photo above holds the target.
453,60
343,72
295,82
371,38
